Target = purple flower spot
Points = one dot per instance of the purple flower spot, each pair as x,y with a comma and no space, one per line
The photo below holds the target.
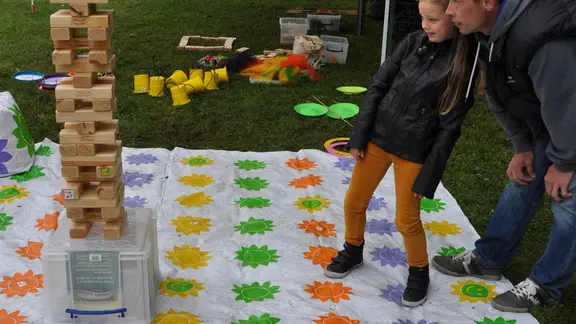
133,179
142,159
388,256
381,227
345,164
377,203
4,157
134,202
393,294
346,181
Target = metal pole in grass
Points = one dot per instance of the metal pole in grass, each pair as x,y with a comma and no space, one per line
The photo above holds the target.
335,113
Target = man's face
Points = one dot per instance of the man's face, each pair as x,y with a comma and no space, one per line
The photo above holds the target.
469,16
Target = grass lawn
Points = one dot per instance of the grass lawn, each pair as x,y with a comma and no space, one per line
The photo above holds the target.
249,117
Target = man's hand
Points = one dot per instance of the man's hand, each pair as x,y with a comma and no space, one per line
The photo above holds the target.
358,154
557,183
518,164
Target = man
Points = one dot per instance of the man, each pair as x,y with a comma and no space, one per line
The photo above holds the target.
527,51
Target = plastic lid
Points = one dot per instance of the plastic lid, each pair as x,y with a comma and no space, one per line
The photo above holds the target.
133,238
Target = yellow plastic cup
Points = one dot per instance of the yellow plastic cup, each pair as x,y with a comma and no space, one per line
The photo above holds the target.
177,78
194,85
141,83
210,80
197,73
156,86
222,74
179,95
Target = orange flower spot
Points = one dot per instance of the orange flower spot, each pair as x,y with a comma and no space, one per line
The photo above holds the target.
12,318
321,255
326,291
21,284
335,319
307,181
301,164
31,251
58,197
49,222
320,228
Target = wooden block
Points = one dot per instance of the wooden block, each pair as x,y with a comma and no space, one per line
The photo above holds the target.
108,189
84,115
86,149
63,56
72,190
106,172
82,64
90,199
61,34
100,56
97,91
95,214
84,80
98,34
105,134
102,18
83,128
104,104
75,213
82,9
70,172
99,80
80,230
113,230
68,150
106,156
82,43
66,105
112,213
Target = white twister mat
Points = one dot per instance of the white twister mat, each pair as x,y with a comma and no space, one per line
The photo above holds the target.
244,238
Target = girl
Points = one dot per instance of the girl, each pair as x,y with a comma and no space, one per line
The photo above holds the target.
411,117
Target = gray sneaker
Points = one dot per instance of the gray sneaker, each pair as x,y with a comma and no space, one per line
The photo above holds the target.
522,298
465,264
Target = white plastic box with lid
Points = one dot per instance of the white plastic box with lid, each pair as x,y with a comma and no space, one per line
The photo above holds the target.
95,280
329,23
292,27
336,49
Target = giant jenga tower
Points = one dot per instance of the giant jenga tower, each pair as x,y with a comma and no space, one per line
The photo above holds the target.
85,103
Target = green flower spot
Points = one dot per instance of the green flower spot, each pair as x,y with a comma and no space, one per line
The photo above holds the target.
22,132
312,203
253,202
252,183
44,151
450,251
255,292
255,256
33,173
431,205
180,286
254,319
499,320
475,291
5,221
197,161
255,226
9,194
250,165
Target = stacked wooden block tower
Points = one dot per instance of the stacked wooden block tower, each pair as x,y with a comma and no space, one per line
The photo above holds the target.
85,103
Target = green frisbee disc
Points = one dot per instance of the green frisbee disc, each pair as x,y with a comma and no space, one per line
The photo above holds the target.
350,90
310,109
344,109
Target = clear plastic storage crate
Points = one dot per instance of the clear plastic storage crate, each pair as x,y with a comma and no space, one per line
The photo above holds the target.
292,27
94,280
329,23
336,49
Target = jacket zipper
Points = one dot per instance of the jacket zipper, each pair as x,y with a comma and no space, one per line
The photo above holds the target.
411,84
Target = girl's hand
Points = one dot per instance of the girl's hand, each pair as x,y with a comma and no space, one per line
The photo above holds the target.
358,154
419,196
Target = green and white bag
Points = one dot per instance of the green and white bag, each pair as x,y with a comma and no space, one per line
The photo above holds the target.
16,143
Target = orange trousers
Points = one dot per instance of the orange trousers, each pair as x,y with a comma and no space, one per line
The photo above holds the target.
367,175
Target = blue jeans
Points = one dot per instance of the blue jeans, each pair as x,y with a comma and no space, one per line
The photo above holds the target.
516,208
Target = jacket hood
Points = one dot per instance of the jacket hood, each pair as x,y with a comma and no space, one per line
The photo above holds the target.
510,10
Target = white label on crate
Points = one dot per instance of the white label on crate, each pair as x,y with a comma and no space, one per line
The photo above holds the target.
68,194
95,258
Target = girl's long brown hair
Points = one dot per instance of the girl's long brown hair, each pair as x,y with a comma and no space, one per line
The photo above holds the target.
456,71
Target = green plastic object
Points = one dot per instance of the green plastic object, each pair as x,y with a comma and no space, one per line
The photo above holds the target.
310,109
344,109
351,90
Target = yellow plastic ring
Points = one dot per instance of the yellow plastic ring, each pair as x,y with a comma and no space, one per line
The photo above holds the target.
328,144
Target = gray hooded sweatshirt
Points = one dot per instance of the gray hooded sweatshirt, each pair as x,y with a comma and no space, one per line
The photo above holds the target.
553,74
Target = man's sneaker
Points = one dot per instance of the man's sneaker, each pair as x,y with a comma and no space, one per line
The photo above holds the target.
465,264
522,297
417,287
346,261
